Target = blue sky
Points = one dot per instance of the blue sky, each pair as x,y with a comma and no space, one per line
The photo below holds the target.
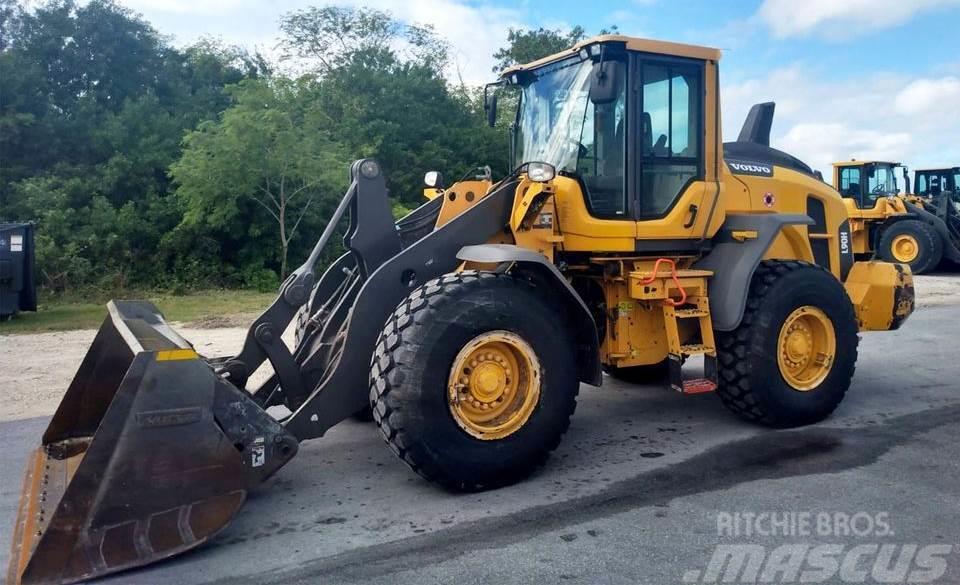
852,78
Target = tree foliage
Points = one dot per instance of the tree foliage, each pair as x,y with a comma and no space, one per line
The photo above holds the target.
526,45
274,147
150,165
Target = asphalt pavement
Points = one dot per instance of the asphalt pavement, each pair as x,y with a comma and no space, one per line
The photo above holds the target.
644,489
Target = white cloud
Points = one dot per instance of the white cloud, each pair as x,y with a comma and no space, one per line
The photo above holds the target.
883,116
183,7
474,29
840,18
838,141
930,97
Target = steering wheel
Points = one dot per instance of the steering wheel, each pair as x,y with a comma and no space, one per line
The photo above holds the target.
581,149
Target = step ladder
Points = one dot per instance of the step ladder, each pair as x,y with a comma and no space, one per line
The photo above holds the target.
698,307
681,295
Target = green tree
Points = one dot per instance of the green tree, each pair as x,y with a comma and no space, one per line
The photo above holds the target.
526,45
93,107
384,87
328,38
274,148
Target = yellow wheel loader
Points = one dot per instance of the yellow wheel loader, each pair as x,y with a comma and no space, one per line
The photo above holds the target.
627,236
919,231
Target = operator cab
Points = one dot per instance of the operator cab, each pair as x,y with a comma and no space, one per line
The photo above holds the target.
867,182
933,182
574,112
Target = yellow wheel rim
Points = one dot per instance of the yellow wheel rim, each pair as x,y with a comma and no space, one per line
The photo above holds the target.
905,248
806,348
494,385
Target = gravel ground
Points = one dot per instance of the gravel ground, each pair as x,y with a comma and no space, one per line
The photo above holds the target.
37,368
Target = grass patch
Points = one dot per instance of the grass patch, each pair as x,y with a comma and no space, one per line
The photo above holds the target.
59,314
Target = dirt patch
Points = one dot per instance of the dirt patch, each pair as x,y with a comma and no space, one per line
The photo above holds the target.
37,368
222,321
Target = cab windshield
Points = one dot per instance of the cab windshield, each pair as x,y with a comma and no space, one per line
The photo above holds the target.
882,181
558,123
550,121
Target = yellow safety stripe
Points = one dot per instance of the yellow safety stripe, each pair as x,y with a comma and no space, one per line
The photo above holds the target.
176,355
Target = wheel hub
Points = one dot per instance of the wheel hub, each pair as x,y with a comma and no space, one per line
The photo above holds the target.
905,248
806,348
494,385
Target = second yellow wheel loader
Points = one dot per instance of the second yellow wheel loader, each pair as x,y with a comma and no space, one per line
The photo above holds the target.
628,236
918,231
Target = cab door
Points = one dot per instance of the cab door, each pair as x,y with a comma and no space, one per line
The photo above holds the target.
850,182
675,127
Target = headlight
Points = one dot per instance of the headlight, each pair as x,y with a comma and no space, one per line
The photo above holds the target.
541,172
433,179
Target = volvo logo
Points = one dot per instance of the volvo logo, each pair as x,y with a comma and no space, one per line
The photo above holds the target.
751,168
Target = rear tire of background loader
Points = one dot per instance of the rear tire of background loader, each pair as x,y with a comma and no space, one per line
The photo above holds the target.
930,250
751,382
650,374
412,363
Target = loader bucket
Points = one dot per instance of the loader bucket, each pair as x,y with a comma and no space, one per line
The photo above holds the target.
149,454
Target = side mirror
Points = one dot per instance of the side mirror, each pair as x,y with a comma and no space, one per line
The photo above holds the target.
490,107
433,179
605,82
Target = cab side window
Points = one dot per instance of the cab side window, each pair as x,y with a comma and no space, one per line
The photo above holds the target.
601,160
850,183
670,134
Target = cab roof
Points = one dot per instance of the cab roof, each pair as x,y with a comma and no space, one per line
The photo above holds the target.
632,44
857,163
938,169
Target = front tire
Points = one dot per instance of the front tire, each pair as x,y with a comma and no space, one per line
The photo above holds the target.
791,360
453,355
914,243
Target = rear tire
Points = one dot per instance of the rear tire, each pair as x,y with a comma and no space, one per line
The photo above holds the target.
752,381
649,374
912,242
411,373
